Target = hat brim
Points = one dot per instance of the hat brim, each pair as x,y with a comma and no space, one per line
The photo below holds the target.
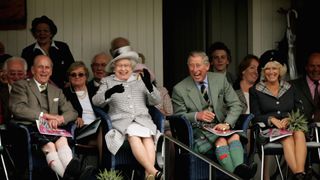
131,55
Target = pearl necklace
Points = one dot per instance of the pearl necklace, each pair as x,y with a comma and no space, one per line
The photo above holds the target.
80,94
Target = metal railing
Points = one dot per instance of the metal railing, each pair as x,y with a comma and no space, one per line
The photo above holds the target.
212,165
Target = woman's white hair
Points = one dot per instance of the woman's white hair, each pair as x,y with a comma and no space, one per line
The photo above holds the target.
282,69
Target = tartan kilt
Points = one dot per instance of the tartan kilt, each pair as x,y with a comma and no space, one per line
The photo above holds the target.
204,140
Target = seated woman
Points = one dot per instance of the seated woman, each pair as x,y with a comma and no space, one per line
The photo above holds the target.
127,95
80,97
271,100
247,77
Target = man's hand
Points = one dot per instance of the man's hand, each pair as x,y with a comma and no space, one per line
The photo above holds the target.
58,118
115,89
205,116
221,127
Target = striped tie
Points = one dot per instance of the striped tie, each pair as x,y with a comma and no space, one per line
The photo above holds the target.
204,92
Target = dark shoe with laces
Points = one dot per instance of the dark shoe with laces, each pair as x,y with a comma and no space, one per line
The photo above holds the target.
246,172
73,170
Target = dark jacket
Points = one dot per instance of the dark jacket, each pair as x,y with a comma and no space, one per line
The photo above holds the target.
61,59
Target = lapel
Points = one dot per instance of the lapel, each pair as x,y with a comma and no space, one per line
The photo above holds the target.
306,90
51,96
213,90
34,88
193,94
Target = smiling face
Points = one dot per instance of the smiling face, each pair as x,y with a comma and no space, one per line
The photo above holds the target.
43,34
99,66
271,72
123,69
78,78
15,71
42,69
250,74
313,67
220,60
198,68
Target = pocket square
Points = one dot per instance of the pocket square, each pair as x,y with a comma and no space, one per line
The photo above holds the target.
55,99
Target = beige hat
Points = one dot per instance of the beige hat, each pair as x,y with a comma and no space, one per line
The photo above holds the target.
125,55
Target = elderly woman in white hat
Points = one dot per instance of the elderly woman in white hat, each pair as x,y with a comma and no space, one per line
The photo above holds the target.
126,93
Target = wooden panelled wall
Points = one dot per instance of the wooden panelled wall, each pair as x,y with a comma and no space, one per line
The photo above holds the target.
89,26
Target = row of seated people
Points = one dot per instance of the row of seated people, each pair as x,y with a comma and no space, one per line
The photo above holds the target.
83,99
76,75
208,98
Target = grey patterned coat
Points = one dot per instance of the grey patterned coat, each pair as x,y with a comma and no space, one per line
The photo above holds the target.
126,107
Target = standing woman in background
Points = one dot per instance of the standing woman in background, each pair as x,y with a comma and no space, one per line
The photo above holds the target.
43,30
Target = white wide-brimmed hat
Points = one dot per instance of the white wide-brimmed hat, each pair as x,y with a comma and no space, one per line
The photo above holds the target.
133,56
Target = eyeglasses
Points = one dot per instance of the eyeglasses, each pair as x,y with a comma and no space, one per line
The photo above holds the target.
99,65
13,74
80,75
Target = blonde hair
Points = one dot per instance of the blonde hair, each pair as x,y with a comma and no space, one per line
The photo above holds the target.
282,69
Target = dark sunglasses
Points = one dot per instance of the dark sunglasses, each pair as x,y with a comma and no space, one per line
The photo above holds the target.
77,75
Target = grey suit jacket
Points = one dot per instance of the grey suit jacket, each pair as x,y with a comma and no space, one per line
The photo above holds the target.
26,104
303,93
186,100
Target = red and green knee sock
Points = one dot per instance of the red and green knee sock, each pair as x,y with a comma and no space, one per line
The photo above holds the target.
230,156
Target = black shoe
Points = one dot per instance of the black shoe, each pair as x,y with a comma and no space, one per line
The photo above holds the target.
246,172
88,173
299,176
73,169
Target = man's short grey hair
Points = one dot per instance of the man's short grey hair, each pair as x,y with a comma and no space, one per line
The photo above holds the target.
201,54
100,54
15,58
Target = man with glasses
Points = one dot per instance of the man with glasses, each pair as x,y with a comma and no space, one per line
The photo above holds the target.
98,67
15,68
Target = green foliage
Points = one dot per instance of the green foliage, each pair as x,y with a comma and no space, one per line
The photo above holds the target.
109,175
298,121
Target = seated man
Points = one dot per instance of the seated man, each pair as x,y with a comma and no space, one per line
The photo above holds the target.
35,98
208,98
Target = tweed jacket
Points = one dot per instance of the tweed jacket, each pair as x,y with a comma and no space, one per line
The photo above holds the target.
127,107
186,100
243,100
61,58
26,104
303,93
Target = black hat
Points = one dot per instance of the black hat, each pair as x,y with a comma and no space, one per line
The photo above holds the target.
271,55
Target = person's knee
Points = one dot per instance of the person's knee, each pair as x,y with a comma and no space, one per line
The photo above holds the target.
234,137
221,142
49,147
62,141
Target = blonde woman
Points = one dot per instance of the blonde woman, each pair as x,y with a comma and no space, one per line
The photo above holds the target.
271,100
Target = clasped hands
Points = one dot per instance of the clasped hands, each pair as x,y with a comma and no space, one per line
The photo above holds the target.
280,124
53,120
